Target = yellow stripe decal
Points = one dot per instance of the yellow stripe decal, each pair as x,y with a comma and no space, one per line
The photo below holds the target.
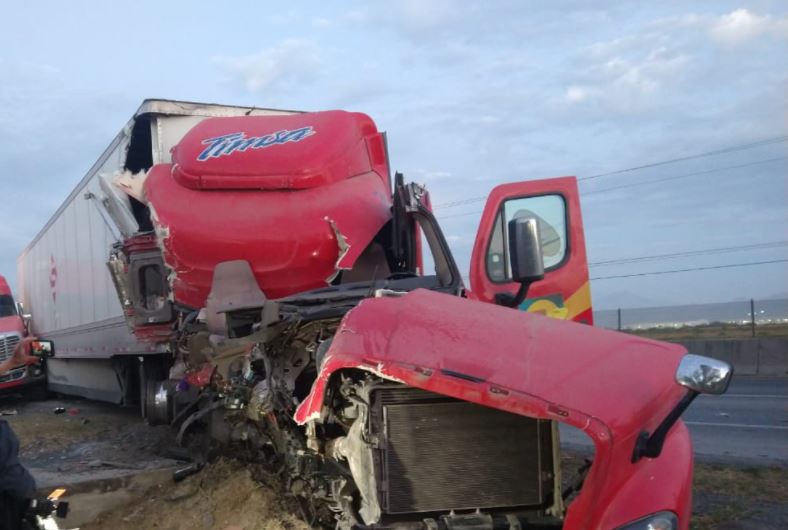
579,302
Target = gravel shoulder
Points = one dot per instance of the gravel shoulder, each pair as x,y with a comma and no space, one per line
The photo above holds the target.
67,441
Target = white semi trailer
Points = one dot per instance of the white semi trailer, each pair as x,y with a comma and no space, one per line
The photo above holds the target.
64,281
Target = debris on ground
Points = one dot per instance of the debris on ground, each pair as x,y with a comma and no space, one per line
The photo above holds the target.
86,440
222,496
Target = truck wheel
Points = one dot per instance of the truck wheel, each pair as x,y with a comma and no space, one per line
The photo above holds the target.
39,392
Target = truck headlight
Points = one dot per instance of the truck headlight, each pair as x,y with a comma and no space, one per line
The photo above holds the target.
656,521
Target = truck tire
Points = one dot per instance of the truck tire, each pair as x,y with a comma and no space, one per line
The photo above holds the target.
38,392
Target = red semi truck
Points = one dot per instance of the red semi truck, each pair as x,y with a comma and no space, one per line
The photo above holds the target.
257,279
30,377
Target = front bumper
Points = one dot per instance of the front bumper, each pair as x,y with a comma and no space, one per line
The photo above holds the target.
21,377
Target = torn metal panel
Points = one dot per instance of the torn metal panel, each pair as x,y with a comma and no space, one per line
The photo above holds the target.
343,248
132,184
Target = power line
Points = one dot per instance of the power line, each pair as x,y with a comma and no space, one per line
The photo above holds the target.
740,147
728,266
631,185
689,253
654,181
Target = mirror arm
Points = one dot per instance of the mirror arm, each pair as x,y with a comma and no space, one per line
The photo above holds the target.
513,300
520,295
651,445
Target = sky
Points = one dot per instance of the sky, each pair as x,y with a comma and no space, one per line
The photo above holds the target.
471,93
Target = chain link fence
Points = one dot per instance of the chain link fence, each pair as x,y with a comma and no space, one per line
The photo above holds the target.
737,319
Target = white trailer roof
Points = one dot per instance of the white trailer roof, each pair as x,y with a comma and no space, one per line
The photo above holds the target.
156,108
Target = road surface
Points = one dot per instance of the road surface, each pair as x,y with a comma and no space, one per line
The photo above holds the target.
748,424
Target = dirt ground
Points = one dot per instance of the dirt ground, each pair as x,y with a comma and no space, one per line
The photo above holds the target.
729,497
118,465
224,497
72,440
221,497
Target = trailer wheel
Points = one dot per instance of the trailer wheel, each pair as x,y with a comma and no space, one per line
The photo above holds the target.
38,392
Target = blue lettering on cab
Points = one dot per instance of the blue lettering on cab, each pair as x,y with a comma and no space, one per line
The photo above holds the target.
228,144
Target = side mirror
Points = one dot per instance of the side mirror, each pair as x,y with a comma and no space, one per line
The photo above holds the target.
42,348
704,375
525,258
525,250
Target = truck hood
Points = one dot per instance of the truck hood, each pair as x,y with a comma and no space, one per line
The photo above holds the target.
504,358
12,324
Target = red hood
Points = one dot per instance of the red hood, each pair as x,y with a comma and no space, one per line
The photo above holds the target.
508,359
12,324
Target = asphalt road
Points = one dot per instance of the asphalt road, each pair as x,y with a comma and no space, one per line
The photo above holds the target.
748,424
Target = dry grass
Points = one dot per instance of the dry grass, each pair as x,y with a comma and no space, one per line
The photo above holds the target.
739,497
713,331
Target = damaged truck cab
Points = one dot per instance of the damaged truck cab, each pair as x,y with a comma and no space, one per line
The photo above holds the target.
273,274
30,377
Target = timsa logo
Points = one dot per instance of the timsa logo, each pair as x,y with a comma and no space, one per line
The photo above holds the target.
228,144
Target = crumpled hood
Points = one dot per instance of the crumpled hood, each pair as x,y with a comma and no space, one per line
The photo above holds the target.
468,349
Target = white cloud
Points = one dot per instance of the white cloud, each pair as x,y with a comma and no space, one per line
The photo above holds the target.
731,29
741,26
626,75
290,61
418,16
321,22
427,176
576,94
356,16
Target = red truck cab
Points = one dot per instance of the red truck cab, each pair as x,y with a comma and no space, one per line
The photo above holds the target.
279,270
31,376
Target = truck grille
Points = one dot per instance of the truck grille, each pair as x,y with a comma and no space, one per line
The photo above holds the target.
439,454
7,345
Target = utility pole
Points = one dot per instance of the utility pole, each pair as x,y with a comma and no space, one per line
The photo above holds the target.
752,316
619,319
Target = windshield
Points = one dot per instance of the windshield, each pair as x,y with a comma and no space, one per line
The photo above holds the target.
7,307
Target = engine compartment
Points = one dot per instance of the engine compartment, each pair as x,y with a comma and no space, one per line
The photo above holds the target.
381,455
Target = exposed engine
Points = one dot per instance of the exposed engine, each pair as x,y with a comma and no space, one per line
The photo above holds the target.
381,454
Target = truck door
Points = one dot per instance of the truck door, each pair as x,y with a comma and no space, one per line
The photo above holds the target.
555,203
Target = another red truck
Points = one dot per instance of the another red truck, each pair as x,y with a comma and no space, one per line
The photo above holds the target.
31,377
273,278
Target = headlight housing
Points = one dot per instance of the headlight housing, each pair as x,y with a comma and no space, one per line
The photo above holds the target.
655,521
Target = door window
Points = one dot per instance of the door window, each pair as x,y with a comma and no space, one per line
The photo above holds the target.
550,214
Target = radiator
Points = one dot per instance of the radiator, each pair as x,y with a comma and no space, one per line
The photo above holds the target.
438,454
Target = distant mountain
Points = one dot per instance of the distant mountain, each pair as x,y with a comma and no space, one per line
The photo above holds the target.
777,296
603,299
